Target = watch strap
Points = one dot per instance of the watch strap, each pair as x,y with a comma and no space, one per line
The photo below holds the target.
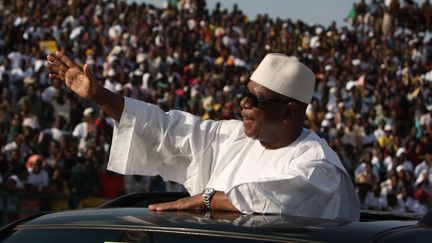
207,196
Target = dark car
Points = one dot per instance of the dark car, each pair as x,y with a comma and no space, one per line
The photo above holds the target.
126,219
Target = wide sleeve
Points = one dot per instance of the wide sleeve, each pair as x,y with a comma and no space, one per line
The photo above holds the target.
307,191
176,145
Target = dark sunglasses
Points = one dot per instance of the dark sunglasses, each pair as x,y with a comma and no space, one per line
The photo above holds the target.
255,101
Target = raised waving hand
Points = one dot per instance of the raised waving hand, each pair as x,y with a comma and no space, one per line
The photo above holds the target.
84,83
80,81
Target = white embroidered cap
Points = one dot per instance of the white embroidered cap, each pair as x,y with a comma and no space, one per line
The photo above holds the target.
285,75
88,111
400,151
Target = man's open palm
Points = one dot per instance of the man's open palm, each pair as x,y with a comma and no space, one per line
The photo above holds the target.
81,81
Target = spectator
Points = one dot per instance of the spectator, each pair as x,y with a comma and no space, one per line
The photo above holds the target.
366,168
375,200
424,165
84,179
54,154
378,162
31,102
401,160
18,180
61,105
84,129
421,198
57,131
38,177
405,201
20,145
391,185
364,184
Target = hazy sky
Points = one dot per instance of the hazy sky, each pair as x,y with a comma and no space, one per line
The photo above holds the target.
310,11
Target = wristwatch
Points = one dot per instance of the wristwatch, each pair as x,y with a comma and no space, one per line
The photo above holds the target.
207,195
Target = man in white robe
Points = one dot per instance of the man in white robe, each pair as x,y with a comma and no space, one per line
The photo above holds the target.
267,163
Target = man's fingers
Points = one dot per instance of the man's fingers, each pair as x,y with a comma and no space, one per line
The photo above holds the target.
87,71
51,58
187,203
168,206
164,206
55,68
55,71
66,60
55,64
55,76
154,206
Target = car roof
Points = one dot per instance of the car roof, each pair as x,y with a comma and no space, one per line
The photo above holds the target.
129,213
269,227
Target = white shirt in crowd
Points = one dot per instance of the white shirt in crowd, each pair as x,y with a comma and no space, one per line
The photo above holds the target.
39,180
420,168
18,182
391,163
305,178
361,168
54,132
420,208
80,130
375,203
404,205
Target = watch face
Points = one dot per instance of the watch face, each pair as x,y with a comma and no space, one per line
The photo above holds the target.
208,191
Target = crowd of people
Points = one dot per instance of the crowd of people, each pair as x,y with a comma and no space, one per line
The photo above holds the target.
372,101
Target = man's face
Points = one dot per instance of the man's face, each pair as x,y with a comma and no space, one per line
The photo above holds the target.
263,119
37,166
394,180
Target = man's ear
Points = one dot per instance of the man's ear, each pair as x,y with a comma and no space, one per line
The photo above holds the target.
290,111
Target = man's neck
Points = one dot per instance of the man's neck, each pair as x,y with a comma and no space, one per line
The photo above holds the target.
281,143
